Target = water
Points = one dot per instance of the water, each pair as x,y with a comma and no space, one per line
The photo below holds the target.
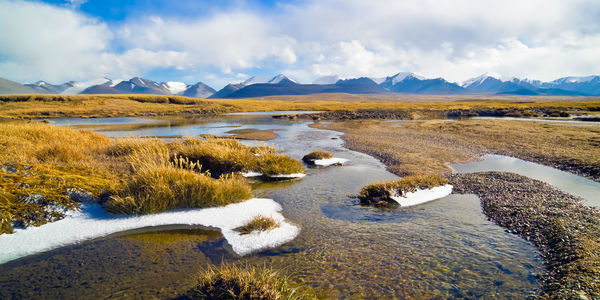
565,181
445,248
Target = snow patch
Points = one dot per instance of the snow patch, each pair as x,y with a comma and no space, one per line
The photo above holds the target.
294,175
423,196
330,161
252,174
92,221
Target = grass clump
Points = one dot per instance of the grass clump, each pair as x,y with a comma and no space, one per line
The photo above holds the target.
161,188
379,194
315,155
223,156
232,282
258,224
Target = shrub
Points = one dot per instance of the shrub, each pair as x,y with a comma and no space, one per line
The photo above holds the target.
309,158
379,194
232,282
258,224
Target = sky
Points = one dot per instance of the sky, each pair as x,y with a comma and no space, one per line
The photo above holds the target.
223,41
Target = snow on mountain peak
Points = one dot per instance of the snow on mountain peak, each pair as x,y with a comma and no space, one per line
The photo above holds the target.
277,79
479,79
403,75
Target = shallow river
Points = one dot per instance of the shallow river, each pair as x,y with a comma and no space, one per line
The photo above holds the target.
446,248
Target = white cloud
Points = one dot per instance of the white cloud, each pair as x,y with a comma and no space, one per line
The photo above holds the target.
453,39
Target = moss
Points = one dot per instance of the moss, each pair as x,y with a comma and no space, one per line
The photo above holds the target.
309,158
258,224
378,194
232,282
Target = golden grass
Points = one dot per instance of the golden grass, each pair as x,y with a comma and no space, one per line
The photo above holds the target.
427,147
379,193
232,282
220,156
319,154
53,106
155,189
258,224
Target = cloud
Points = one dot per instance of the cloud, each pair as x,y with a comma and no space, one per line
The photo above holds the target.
453,39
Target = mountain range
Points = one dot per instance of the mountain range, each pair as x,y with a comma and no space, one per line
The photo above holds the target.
259,86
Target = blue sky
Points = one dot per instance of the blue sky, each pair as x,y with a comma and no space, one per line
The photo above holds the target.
218,42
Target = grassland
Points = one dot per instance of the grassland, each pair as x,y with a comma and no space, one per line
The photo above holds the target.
427,147
55,106
41,163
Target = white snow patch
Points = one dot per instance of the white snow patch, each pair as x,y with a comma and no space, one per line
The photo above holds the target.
94,222
423,196
294,175
330,161
175,87
251,174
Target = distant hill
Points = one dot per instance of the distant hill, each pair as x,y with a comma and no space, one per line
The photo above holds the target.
42,87
259,86
288,87
10,87
198,90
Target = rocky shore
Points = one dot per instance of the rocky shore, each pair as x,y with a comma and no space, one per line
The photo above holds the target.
565,230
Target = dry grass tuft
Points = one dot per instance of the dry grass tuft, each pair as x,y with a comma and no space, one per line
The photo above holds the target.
232,282
158,188
222,156
309,158
379,193
258,224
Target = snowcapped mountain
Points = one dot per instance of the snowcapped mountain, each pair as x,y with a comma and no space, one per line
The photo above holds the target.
390,81
281,79
331,79
42,87
475,81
